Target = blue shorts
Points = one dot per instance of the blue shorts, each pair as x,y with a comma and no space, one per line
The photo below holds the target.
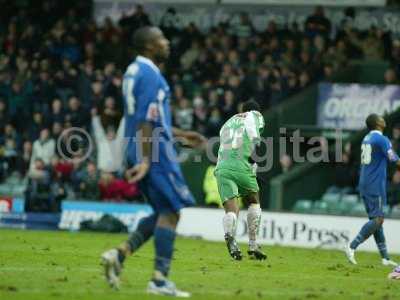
374,205
166,192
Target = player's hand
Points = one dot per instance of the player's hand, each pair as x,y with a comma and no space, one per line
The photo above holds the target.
137,172
194,140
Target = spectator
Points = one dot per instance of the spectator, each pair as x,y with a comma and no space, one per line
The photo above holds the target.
110,115
62,169
394,189
88,187
43,148
390,77
244,28
4,119
170,23
110,145
38,193
317,23
138,19
184,114
395,138
76,114
286,163
57,113
36,125
112,188
214,123
23,160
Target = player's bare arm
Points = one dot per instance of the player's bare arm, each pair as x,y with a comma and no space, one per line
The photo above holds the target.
189,138
137,172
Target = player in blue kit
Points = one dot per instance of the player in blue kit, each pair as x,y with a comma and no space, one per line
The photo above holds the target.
376,152
153,161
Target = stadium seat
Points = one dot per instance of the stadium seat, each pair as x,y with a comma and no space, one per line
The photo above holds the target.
320,207
332,201
303,206
331,197
358,210
350,198
347,204
395,213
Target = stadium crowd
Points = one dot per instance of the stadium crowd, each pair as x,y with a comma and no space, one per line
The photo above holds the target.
60,69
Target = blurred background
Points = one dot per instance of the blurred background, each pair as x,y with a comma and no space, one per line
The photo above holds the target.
313,66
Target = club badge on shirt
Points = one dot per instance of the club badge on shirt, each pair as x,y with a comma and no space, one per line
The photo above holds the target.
152,112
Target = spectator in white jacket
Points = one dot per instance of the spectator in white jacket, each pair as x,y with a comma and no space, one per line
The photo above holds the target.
43,148
110,144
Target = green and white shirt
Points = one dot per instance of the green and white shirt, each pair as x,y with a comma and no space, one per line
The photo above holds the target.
238,136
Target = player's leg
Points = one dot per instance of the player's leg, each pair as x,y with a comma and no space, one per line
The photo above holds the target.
380,241
113,259
253,224
228,191
229,222
373,206
164,239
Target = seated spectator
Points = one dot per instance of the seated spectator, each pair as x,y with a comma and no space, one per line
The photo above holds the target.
24,159
113,188
10,154
89,185
57,112
214,123
36,125
38,193
43,148
110,145
61,168
183,114
4,118
77,115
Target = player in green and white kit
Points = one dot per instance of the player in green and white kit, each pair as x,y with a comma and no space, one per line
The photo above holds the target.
236,177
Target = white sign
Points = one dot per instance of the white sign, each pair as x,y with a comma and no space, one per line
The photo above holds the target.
348,105
310,2
287,229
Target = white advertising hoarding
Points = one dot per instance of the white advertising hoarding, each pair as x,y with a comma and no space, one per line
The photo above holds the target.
287,229
311,2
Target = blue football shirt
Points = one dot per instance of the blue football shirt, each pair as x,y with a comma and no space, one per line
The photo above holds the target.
376,152
147,99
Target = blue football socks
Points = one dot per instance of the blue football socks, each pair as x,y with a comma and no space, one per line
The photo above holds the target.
164,244
143,232
366,231
381,242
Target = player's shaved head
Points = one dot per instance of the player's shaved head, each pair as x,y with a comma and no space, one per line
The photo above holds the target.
375,121
150,41
250,105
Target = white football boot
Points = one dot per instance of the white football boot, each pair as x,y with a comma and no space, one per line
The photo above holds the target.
112,267
350,254
167,288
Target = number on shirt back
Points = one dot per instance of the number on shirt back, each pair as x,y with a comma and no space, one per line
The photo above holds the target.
232,138
127,88
366,153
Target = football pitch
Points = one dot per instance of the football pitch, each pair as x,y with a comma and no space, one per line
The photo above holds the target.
63,265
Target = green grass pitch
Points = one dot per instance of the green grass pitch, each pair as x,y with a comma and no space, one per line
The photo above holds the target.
63,265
